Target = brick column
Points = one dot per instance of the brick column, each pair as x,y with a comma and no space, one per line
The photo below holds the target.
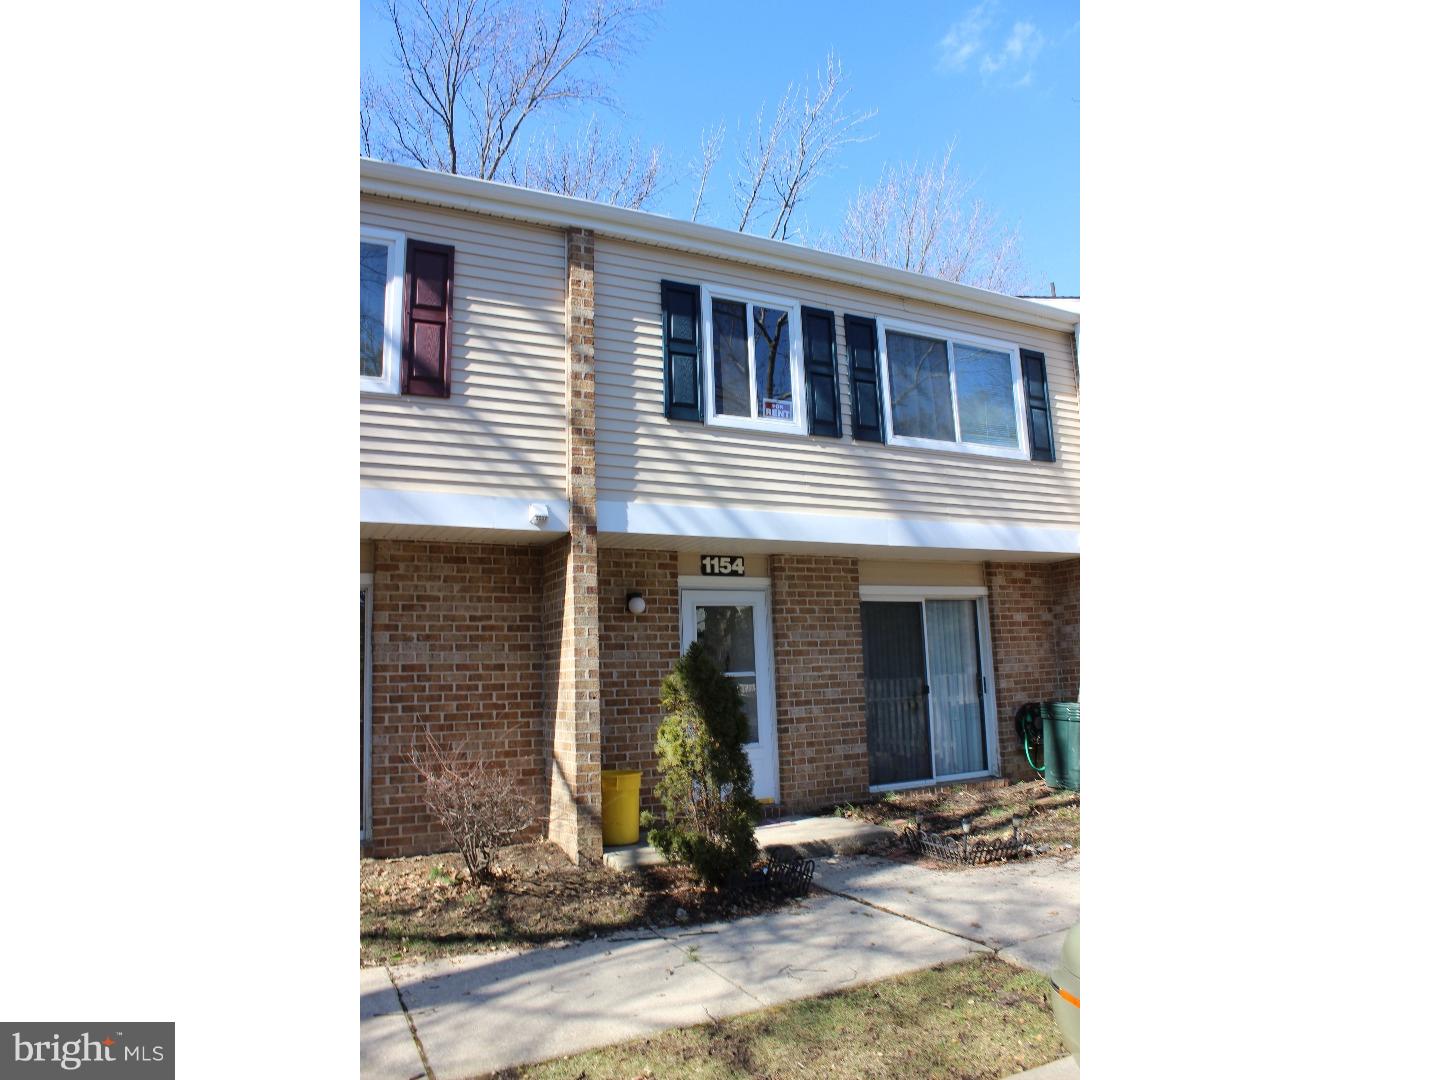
819,680
1065,581
571,590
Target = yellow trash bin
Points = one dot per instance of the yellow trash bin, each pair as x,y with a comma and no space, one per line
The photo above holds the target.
620,806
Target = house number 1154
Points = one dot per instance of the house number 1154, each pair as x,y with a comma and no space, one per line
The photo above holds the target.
722,565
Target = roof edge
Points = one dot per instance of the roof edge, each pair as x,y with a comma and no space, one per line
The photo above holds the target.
544,208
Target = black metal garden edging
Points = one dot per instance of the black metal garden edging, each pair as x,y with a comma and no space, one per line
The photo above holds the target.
785,877
967,852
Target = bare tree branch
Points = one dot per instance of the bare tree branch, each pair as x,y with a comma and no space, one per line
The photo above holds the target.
596,165
711,141
820,128
781,162
757,158
923,218
470,73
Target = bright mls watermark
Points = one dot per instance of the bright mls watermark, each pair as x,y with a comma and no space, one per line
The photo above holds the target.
139,1051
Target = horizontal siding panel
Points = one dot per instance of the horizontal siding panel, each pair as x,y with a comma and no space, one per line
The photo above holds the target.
643,456
502,429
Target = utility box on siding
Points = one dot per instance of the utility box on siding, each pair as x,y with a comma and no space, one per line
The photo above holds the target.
1060,722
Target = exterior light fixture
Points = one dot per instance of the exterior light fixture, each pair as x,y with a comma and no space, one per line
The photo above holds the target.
635,603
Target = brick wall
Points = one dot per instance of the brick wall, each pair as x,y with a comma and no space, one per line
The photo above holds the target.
1035,638
819,680
456,651
636,652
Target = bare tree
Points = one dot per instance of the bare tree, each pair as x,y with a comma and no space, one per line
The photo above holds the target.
711,141
924,218
481,807
781,162
470,73
597,165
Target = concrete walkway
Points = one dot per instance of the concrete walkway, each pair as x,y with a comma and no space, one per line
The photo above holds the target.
787,838
1020,910
477,1014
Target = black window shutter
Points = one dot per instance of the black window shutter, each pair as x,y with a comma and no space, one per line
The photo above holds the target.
429,283
1037,405
861,345
822,384
680,305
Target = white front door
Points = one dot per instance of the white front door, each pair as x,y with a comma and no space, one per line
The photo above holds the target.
734,627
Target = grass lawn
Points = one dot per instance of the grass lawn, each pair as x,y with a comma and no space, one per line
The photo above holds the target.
975,1019
423,907
1052,817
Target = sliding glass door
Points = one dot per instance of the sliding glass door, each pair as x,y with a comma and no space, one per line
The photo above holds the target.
957,715
926,689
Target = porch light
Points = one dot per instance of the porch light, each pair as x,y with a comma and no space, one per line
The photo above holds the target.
635,603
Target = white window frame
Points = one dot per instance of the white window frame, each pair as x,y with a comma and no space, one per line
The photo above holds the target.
981,595
388,382
951,338
754,422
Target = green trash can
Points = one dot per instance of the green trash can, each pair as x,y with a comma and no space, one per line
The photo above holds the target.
1060,723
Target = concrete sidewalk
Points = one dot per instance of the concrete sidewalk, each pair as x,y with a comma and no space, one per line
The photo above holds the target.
1021,910
478,1014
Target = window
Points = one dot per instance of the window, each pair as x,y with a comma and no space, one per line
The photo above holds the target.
753,362
951,392
920,405
382,273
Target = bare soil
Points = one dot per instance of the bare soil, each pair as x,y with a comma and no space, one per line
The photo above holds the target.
426,906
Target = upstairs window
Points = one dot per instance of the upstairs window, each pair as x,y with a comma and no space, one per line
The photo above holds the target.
754,364
382,287
952,392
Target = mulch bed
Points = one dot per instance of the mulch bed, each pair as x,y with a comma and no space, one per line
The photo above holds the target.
1051,817
426,906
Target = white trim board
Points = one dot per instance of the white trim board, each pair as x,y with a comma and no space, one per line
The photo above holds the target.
699,581
739,523
923,592
393,506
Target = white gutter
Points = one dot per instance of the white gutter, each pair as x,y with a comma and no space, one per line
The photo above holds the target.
559,211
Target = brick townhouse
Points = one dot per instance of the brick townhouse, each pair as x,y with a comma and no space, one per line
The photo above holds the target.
591,436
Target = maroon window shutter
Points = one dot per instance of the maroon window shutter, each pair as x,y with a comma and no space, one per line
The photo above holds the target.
429,282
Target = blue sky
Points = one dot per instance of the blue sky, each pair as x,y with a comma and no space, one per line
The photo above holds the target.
1002,79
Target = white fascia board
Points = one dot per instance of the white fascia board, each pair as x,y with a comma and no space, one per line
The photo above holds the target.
559,211
737,523
392,506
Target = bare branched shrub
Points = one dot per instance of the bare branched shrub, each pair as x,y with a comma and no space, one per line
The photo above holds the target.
480,806
924,218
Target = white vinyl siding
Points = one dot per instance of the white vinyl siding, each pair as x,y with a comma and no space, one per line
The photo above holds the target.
501,431
643,457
